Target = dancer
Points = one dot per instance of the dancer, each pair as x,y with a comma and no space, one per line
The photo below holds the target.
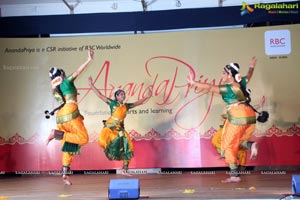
113,138
240,124
216,138
70,127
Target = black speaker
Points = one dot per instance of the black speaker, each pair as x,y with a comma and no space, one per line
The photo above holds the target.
296,184
128,188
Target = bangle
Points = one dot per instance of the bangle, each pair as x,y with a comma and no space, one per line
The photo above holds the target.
251,66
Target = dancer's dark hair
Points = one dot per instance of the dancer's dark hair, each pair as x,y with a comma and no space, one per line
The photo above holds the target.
54,73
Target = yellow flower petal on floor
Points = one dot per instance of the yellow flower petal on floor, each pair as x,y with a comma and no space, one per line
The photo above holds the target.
252,188
64,195
189,191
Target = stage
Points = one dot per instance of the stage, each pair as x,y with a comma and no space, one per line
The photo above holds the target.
169,184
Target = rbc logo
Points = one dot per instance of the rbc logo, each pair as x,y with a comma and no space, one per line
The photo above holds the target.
277,42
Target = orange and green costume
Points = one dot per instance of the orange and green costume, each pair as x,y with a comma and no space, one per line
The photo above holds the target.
216,142
70,121
113,138
240,124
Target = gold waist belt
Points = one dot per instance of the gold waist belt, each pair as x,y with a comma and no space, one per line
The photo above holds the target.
240,121
116,119
68,117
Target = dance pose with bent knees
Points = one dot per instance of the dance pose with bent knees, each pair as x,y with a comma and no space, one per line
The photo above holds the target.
113,138
70,127
241,118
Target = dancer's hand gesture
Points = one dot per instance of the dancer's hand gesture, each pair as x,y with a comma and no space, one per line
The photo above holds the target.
90,81
90,54
149,93
190,78
253,62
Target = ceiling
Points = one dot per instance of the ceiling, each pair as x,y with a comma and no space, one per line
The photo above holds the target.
58,7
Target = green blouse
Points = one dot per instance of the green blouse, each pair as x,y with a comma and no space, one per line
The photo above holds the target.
68,90
232,94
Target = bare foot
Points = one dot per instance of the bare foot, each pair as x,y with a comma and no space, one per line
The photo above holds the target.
125,173
232,180
66,180
254,151
50,137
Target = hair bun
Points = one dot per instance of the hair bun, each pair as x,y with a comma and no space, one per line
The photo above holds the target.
263,117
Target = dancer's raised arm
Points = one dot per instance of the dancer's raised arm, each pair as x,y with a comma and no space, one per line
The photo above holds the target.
142,101
251,68
96,91
85,64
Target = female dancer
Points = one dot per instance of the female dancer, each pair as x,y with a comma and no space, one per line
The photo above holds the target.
70,127
240,124
113,138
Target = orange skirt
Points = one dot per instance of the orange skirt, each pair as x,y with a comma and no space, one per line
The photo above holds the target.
74,129
239,127
216,142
